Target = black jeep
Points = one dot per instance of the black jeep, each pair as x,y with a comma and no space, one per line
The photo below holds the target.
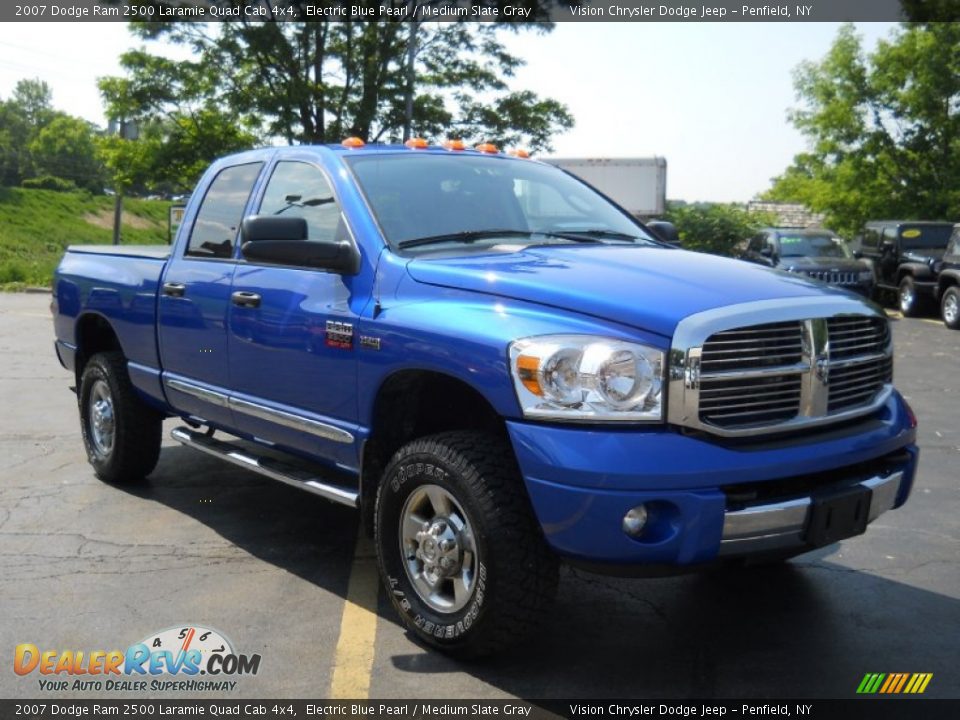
816,253
948,282
905,255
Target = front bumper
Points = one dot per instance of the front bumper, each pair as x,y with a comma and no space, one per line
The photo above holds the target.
705,499
785,525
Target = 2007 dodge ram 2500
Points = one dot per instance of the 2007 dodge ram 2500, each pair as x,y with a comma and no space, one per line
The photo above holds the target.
496,365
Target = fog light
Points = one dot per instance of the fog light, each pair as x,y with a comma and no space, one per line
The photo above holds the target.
635,520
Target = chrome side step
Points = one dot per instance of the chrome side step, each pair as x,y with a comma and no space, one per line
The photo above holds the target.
271,468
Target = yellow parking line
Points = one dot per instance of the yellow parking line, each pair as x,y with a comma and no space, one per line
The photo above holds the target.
353,660
928,320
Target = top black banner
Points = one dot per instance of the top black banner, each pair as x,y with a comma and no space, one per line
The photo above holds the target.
504,11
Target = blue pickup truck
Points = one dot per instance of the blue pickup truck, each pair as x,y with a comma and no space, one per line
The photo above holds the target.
496,365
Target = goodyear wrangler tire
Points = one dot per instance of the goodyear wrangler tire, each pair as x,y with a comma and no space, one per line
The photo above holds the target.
459,550
120,433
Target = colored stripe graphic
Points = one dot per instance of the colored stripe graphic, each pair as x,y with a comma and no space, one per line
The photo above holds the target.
894,683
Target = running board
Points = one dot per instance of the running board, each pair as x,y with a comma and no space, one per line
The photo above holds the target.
271,468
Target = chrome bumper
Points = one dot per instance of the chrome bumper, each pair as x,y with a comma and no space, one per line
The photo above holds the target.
782,525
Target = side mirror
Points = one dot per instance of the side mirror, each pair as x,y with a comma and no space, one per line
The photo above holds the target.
258,228
283,241
665,231
886,244
858,254
767,251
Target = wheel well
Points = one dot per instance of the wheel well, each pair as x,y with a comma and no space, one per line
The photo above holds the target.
413,404
94,335
946,281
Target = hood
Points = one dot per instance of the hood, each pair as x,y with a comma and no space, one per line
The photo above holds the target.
925,255
649,288
822,263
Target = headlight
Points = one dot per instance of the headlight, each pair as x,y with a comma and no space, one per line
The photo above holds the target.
583,377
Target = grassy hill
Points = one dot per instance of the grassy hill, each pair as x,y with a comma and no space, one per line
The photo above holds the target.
37,225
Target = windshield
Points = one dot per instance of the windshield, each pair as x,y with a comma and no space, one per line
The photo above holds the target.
813,246
475,200
919,237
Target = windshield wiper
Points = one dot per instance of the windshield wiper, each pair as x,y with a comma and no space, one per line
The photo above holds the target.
597,234
467,236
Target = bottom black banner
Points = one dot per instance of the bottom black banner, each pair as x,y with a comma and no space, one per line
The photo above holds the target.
872,709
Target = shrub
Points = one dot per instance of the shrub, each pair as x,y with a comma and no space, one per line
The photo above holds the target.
50,182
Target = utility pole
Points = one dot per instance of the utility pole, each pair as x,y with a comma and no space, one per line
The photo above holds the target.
127,131
411,78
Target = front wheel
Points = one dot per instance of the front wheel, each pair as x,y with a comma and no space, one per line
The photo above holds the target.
908,299
950,307
458,547
121,434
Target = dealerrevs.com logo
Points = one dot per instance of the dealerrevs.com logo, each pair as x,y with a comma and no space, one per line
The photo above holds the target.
179,659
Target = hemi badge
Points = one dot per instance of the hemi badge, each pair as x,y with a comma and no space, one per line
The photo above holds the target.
339,334
370,342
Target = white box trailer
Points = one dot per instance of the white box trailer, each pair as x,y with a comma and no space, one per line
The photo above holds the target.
639,185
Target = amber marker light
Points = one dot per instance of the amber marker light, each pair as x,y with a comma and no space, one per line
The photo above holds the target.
353,142
520,153
416,143
455,145
527,367
487,148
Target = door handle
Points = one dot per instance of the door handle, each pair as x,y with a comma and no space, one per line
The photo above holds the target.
242,298
174,289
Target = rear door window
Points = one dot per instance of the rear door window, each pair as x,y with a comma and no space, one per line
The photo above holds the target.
214,232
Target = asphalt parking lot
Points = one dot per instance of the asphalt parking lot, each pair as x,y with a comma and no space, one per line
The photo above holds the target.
84,565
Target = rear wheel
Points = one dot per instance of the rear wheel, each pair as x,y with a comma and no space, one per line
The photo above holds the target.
950,307
121,433
458,547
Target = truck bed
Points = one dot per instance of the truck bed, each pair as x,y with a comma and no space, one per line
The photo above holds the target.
118,283
153,252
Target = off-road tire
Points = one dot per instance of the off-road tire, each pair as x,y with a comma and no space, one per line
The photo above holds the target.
950,307
517,574
909,301
137,427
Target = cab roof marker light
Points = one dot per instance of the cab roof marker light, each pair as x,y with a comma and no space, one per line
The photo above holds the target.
353,142
487,148
520,153
455,145
417,143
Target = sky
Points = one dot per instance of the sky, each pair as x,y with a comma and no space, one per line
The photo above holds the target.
712,98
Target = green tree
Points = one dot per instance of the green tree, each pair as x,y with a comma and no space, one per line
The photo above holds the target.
714,227
34,101
66,148
322,81
181,131
883,129
27,112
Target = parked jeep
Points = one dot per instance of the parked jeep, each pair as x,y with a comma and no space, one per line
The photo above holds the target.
904,255
948,282
816,253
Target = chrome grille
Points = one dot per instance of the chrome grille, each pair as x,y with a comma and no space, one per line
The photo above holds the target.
833,277
727,397
852,336
854,385
762,376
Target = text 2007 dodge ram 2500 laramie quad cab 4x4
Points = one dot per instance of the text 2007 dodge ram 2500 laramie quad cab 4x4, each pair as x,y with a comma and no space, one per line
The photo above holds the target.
496,365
